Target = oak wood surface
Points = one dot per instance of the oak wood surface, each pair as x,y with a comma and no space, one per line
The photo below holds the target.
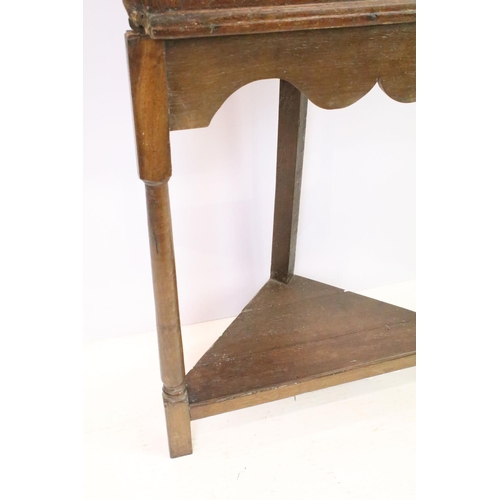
224,4
165,286
332,68
205,409
167,319
314,317
165,5
294,339
229,17
178,421
148,84
149,96
291,136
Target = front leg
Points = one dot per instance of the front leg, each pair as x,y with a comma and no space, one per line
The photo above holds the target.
150,102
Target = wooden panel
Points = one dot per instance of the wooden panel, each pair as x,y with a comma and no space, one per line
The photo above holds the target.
240,372
333,68
293,341
291,135
205,409
275,294
317,318
231,17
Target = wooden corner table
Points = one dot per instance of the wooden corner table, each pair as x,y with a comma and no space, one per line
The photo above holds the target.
186,57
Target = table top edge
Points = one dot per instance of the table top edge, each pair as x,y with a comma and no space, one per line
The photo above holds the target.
178,23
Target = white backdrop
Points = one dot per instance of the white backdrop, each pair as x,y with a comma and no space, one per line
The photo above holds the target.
357,219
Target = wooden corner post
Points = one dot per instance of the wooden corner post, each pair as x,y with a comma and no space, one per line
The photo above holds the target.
148,80
291,135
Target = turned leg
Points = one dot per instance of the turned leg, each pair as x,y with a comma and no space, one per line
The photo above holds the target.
167,321
149,97
291,133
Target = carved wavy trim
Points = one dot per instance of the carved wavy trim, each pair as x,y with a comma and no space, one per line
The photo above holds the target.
333,68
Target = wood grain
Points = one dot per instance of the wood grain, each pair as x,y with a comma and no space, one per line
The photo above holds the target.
276,294
296,340
165,285
149,96
178,421
290,338
230,17
312,318
291,136
148,83
222,4
167,319
332,68
205,409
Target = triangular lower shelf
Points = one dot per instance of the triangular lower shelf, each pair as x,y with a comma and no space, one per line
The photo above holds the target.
296,338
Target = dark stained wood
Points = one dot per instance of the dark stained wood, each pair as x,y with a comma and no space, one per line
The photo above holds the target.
332,68
224,4
279,323
165,5
178,423
225,17
167,320
148,83
242,372
296,335
276,294
291,135
165,285
149,94
295,341
209,408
